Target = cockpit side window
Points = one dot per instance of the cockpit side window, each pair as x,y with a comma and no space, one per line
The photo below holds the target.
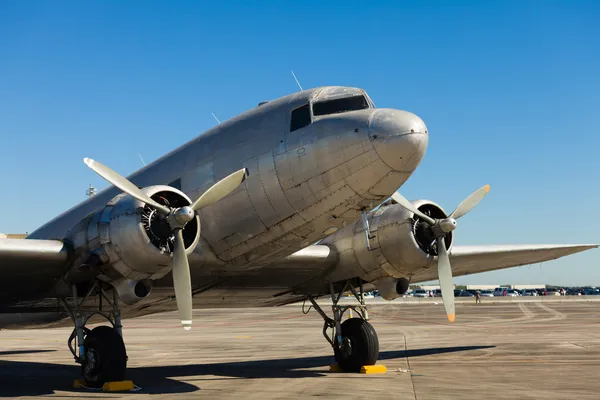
300,118
336,106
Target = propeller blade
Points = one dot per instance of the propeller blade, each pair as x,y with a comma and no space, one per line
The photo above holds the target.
410,207
445,277
123,184
470,202
182,281
220,189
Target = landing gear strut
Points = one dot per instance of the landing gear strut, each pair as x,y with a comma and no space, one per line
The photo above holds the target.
100,351
354,341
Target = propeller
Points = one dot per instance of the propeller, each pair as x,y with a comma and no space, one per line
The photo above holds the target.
177,219
440,228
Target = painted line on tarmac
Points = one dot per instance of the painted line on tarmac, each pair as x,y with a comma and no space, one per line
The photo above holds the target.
460,326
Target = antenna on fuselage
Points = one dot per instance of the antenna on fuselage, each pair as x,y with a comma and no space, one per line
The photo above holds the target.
139,154
215,117
91,191
296,79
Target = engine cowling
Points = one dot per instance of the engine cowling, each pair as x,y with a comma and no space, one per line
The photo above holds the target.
400,243
127,241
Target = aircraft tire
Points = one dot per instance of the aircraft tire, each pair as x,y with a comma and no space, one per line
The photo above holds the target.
360,345
106,359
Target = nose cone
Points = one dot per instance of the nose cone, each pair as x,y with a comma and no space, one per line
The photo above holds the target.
399,137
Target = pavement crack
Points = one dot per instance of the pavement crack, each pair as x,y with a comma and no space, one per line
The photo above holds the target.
410,369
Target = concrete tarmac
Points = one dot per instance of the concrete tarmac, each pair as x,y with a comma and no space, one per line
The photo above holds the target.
496,350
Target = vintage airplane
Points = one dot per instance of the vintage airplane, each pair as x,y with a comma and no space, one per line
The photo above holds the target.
289,196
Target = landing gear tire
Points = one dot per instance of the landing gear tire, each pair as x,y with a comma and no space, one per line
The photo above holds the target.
105,357
360,345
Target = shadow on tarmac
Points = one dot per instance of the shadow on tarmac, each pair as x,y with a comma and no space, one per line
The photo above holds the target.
16,352
24,378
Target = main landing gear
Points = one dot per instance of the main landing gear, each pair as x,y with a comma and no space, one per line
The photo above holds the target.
355,343
100,351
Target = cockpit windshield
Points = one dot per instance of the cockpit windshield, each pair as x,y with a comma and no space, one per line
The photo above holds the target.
336,106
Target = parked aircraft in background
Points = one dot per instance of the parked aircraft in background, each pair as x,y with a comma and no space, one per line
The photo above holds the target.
231,219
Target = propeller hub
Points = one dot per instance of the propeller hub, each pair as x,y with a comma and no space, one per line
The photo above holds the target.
447,225
184,215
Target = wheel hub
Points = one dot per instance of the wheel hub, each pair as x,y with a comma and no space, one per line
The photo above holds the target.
89,367
346,347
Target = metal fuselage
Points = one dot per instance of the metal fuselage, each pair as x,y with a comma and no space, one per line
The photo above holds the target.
303,184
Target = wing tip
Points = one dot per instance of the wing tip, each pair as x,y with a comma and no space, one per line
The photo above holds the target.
581,247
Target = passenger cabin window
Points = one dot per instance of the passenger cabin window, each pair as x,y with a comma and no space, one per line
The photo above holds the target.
340,105
300,118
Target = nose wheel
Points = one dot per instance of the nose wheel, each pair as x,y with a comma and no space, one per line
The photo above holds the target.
355,343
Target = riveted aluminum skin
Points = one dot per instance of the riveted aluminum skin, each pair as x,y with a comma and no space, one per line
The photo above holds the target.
303,184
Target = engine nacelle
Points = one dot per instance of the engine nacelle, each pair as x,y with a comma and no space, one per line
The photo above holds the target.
127,241
400,242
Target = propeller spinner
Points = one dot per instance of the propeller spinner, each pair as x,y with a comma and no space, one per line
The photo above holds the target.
177,219
440,228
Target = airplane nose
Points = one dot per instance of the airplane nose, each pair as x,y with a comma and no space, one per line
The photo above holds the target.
400,138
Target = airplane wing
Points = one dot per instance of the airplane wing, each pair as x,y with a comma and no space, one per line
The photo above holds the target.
468,260
30,264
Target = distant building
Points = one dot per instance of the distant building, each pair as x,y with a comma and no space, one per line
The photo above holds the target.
91,191
482,287
433,287
488,287
521,287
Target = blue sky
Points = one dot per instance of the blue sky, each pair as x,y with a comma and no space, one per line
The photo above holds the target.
509,91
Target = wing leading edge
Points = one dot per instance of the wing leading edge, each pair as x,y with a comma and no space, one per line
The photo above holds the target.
468,260
27,265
